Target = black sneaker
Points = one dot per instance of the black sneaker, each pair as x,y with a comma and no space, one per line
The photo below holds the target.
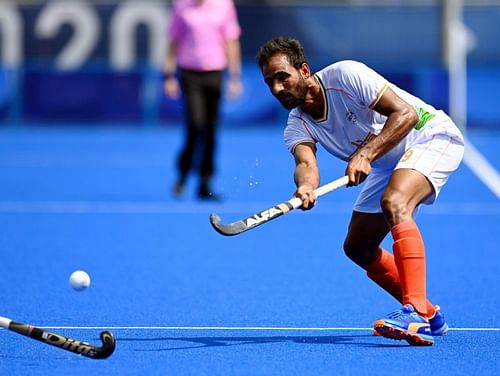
205,193
178,189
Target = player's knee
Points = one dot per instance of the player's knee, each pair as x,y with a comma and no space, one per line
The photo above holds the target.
349,250
394,206
358,253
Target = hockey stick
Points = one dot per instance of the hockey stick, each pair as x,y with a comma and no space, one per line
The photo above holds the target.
81,348
264,216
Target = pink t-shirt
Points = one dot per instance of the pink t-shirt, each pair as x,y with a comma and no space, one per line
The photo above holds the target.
201,32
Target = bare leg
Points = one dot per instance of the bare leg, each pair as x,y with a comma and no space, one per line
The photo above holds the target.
407,188
366,232
362,245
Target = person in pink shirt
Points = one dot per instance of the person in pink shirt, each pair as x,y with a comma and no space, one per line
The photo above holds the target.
203,44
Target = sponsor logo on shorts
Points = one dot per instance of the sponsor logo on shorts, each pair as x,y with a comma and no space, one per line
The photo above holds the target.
407,156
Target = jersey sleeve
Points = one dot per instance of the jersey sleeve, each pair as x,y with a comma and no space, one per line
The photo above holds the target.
231,26
297,132
362,82
175,29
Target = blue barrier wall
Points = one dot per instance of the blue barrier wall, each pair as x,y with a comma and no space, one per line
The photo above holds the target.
401,42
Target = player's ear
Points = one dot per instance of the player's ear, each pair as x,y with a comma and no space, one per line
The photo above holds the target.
305,70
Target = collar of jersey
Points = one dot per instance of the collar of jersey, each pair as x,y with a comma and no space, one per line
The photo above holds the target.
323,92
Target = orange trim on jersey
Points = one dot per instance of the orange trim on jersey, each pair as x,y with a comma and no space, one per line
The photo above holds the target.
379,96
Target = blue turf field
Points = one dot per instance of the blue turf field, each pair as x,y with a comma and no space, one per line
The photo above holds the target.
182,300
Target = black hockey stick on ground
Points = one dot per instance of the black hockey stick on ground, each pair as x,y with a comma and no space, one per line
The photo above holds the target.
57,340
264,216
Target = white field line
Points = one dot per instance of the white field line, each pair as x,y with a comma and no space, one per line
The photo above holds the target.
236,209
482,168
237,328
473,158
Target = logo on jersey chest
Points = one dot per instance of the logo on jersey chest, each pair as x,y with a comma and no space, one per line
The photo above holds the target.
351,116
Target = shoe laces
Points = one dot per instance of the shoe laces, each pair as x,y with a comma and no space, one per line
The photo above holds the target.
404,311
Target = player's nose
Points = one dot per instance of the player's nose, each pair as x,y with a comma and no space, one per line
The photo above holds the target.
276,88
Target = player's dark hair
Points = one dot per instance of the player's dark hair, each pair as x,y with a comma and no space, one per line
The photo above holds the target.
287,46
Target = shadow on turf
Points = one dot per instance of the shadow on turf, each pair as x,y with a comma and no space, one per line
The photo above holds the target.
204,342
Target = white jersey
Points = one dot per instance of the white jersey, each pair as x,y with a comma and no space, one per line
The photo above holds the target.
351,91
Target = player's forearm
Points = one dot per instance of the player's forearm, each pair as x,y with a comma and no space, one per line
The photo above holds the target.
234,58
306,174
397,126
170,65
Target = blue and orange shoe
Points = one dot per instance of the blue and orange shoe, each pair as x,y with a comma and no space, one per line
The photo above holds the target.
406,324
438,323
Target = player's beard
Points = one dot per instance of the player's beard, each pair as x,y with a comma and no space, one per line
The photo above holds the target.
289,100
